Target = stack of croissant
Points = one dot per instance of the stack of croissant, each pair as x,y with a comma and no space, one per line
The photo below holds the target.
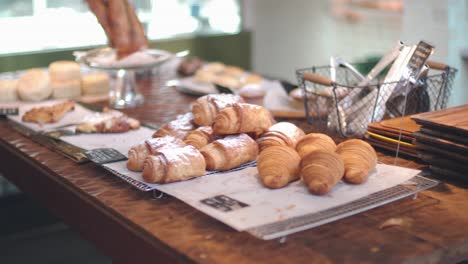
217,135
288,155
222,132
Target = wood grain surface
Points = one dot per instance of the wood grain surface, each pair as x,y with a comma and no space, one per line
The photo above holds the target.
450,120
131,227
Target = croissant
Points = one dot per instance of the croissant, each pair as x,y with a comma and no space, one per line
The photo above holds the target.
177,128
359,159
138,153
229,152
280,134
200,137
321,171
278,165
207,107
243,118
170,165
315,141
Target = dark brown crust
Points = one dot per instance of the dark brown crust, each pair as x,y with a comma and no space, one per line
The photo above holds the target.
99,8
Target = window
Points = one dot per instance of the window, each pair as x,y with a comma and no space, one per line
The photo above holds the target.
32,25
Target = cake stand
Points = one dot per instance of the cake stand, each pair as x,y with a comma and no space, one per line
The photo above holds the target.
124,91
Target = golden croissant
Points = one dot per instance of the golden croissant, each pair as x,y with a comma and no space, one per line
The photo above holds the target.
229,152
138,153
281,134
315,141
243,118
321,171
200,137
207,107
177,128
278,165
175,164
359,159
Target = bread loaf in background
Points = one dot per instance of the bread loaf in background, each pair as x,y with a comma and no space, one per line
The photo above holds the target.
95,84
64,71
8,90
34,85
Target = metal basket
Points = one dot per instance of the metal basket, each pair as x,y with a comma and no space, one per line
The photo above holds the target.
345,108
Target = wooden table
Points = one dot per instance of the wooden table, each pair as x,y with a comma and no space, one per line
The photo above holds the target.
131,227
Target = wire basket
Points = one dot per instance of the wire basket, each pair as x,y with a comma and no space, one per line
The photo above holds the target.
346,108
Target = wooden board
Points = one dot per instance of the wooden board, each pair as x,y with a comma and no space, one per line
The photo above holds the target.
451,120
423,147
442,135
443,143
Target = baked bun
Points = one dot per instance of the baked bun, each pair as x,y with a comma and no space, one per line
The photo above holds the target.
253,79
297,94
64,71
96,83
66,89
8,90
34,85
252,91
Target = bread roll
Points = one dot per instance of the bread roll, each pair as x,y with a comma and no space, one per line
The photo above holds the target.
34,85
8,90
66,89
64,71
94,84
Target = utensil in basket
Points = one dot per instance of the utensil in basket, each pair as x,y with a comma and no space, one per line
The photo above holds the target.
428,94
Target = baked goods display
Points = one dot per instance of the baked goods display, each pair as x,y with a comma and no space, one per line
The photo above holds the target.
48,114
189,66
207,107
229,152
200,137
359,158
321,171
107,121
95,84
281,134
271,174
34,85
61,80
177,128
138,153
243,118
220,151
8,90
315,141
65,79
170,165
233,78
121,25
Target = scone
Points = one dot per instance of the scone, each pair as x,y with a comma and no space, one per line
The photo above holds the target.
34,85
64,71
95,84
8,90
65,89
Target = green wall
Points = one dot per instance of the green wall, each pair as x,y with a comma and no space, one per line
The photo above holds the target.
231,49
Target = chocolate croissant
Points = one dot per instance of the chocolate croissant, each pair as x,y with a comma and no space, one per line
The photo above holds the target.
138,153
278,165
315,141
229,152
280,134
321,171
171,165
207,107
243,118
359,159
177,128
200,137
